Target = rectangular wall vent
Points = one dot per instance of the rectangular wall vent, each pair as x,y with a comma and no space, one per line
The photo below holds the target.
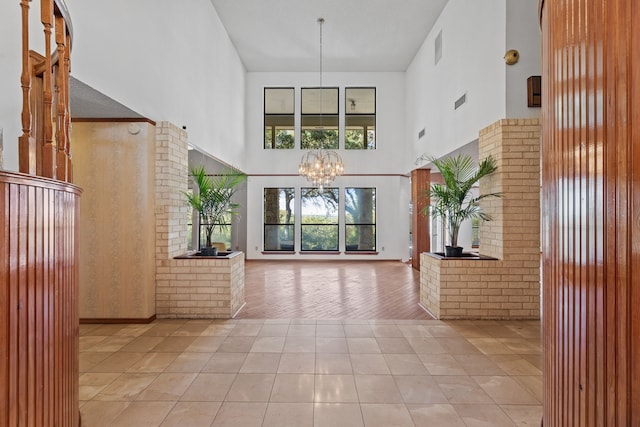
421,133
438,48
460,101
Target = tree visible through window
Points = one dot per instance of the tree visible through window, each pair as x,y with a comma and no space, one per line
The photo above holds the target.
319,120
279,219
360,118
279,118
360,219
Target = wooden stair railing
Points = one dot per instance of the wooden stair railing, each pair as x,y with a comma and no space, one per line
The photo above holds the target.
39,226
44,147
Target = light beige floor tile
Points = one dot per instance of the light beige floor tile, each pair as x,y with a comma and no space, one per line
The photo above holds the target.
87,342
293,388
261,363
335,389
173,344
168,386
112,343
134,330
143,414
405,364
330,331
297,329
504,390
377,389
240,414
126,387
386,331
524,415
208,387
267,345
413,331
337,415
162,329
442,364
193,328
426,345
490,346
442,330
369,364
333,363
462,389
225,363
300,345
478,364
533,384
358,331
288,415
236,345
205,344
191,414
246,330
117,362
101,414
217,330
521,345
515,364
153,362
91,384
385,415
251,388
274,330
189,362
331,345
297,363
483,416
395,345
419,389
363,345
436,414
142,344
89,360
453,345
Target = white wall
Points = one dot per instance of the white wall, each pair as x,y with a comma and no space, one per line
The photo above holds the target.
379,168
523,34
166,60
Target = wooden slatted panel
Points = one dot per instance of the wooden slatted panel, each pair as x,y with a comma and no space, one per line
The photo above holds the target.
420,235
38,302
591,210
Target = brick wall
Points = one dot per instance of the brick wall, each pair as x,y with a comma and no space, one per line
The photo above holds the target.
509,286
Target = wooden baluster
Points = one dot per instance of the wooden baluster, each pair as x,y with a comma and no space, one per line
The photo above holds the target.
26,142
60,89
48,150
67,123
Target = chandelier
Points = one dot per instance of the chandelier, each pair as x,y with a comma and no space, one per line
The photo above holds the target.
321,166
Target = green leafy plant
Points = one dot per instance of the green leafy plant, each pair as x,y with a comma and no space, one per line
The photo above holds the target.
453,201
213,199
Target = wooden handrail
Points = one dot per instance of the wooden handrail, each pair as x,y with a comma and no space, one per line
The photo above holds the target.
44,147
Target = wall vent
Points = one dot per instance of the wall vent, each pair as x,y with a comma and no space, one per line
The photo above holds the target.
421,133
460,101
438,48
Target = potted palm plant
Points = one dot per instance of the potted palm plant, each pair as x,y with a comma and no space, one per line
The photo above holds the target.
213,200
453,201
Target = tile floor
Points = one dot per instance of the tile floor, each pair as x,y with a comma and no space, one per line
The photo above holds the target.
307,372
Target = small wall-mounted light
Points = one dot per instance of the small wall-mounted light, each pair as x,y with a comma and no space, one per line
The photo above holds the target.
353,105
511,57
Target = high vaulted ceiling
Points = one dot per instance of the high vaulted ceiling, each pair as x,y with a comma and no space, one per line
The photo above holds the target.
358,35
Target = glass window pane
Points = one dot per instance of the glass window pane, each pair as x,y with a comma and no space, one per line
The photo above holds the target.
279,219
319,121
319,217
279,125
360,118
360,219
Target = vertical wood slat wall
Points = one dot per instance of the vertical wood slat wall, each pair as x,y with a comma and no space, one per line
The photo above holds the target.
591,212
420,234
38,302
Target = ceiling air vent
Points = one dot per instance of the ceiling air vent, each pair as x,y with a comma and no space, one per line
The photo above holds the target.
421,133
460,101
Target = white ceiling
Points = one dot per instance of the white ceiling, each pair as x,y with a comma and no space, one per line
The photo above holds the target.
358,35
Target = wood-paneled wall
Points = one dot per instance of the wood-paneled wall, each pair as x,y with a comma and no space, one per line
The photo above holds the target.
591,212
38,302
420,235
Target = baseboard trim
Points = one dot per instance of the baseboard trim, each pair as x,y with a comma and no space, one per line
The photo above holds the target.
116,320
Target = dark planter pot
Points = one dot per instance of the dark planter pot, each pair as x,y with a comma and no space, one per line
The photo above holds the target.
213,251
453,251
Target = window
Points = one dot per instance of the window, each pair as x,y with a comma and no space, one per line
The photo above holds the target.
360,118
360,219
279,118
319,220
221,233
319,120
279,219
